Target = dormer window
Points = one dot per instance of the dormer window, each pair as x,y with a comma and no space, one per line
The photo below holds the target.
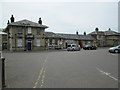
29,30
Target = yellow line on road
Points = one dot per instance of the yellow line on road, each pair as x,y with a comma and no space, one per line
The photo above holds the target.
41,71
41,74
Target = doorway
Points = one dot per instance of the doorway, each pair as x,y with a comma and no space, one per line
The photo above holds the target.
29,45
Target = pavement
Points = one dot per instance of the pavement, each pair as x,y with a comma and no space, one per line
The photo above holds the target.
62,69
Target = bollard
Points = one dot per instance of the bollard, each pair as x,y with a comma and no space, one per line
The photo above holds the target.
3,73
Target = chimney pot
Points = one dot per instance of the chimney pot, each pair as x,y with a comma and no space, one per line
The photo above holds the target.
40,21
8,22
12,19
76,32
84,33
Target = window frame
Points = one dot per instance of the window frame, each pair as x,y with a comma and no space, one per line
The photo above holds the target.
19,42
29,30
38,31
19,30
38,42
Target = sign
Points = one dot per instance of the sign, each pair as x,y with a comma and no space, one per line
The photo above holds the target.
29,36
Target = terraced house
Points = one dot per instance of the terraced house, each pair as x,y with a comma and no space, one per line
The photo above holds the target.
26,35
59,40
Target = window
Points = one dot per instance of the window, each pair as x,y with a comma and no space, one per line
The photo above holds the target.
38,42
19,30
19,43
29,30
56,42
50,41
38,31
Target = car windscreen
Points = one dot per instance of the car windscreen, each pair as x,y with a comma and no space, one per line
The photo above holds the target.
69,45
73,45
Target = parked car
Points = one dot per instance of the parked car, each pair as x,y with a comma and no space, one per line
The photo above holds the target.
57,48
73,47
114,49
89,47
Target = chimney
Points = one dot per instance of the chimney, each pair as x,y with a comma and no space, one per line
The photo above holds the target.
109,29
40,21
76,32
8,22
12,19
96,29
85,33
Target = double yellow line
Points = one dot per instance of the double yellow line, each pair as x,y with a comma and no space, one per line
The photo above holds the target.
41,76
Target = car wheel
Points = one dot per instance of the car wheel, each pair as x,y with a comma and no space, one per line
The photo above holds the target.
116,51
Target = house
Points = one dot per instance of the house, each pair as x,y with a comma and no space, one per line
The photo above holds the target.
25,35
106,38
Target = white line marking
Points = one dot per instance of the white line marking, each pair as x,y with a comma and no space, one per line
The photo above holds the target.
107,74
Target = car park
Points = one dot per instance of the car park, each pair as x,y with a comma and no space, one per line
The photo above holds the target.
114,49
73,47
89,47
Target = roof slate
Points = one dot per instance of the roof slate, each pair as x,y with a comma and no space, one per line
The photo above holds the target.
26,22
68,36
109,32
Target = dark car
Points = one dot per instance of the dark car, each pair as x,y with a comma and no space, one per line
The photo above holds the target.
89,47
114,49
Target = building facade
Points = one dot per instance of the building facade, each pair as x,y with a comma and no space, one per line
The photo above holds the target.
106,38
59,40
25,35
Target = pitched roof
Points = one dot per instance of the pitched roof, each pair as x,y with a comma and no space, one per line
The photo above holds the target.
68,36
3,33
51,35
26,22
109,32
94,33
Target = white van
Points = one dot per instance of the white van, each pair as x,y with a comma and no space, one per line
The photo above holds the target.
73,47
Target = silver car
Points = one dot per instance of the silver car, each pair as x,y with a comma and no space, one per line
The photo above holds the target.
73,47
114,49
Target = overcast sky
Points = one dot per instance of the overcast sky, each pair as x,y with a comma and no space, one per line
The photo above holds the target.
64,17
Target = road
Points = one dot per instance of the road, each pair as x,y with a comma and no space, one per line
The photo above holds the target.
62,69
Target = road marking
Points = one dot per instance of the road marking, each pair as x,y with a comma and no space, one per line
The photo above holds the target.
41,74
107,74
113,54
37,81
43,77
